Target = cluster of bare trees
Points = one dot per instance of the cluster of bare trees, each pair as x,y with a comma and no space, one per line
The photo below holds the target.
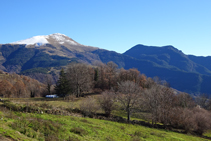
162,105
81,78
16,86
109,76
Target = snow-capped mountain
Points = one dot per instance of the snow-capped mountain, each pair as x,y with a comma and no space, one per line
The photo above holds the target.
47,39
55,44
44,51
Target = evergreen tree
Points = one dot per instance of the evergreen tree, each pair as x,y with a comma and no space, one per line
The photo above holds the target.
96,76
62,87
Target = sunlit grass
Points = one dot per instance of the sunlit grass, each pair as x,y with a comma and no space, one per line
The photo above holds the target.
19,126
78,128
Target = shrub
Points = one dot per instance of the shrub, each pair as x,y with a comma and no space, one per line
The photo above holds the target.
107,102
196,120
70,98
140,134
78,130
202,120
88,106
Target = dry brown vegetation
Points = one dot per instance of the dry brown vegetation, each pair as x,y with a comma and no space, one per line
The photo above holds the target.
19,86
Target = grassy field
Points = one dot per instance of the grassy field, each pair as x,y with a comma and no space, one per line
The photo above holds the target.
32,126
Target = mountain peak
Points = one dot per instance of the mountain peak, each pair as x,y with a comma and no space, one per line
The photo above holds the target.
57,34
47,39
61,39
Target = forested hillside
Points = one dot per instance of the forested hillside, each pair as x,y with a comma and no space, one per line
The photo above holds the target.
20,86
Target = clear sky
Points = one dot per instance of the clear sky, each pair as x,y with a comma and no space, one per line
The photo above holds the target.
112,24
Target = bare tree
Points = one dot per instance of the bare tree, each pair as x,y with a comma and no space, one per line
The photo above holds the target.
152,102
149,83
209,104
167,103
102,82
196,120
129,75
184,100
129,94
35,89
107,101
49,82
71,100
5,88
20,89
159,100
202,120
111,74
202,100
80,79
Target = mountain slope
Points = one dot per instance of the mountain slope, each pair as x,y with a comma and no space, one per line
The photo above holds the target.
167,56
204,61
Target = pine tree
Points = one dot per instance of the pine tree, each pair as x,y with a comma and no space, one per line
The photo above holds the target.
62,87
96,76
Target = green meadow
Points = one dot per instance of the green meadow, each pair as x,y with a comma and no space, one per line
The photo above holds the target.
38,126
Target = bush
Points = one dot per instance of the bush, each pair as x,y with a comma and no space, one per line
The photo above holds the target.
107,102
79,131
202,120
70,98
196,120
88,106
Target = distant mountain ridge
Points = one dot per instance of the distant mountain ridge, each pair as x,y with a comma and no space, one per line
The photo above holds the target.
167,56
186,73
189,82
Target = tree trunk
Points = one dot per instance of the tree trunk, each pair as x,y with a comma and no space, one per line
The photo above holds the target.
78,91
128,114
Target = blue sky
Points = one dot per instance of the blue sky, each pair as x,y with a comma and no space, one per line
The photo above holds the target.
112,24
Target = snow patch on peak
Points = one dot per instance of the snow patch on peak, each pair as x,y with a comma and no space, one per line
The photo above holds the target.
33,40
46,39
57,36
61,38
